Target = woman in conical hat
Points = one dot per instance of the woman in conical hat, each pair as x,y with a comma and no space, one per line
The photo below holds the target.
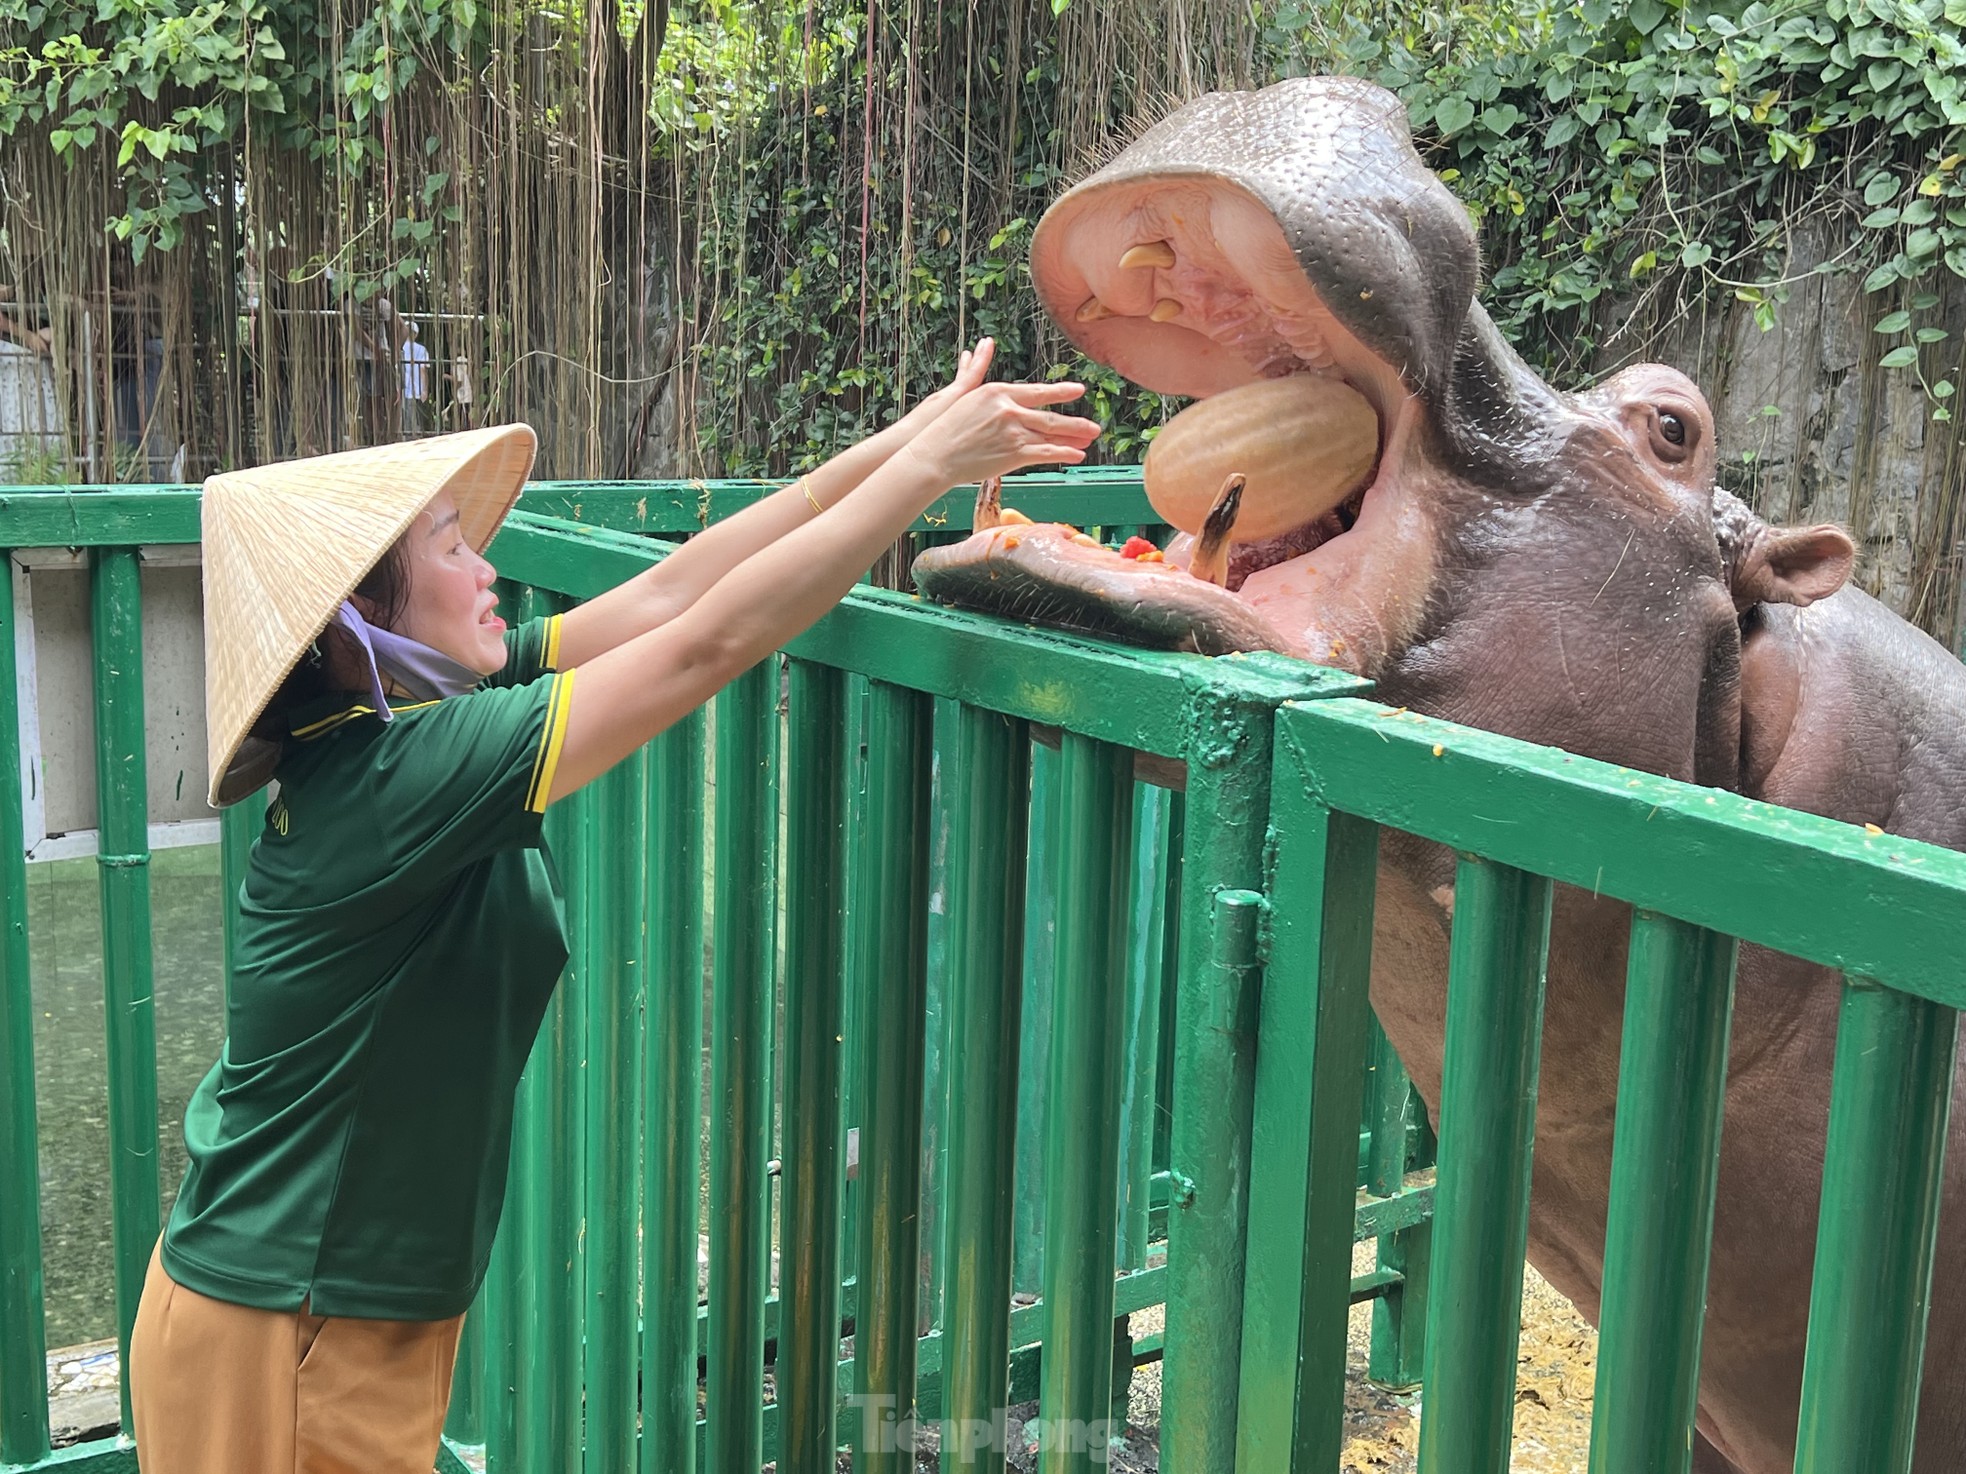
400,928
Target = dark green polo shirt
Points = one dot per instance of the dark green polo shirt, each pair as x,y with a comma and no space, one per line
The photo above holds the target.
400,933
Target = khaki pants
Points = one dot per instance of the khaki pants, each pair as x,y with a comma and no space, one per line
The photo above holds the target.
217,1388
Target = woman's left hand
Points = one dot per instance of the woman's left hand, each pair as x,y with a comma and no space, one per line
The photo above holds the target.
971,369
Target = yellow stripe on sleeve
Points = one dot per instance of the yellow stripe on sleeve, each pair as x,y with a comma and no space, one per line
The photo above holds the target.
551,739
551,660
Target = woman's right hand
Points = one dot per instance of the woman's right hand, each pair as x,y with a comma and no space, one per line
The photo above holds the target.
996,429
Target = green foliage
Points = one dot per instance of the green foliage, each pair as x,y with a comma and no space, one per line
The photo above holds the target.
165,82
1611,150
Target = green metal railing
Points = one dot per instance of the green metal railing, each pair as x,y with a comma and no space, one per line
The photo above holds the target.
1073,1019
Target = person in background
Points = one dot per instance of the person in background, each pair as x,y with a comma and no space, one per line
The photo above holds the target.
400,929
416,382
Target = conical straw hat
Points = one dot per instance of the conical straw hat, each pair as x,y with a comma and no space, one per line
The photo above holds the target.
286,543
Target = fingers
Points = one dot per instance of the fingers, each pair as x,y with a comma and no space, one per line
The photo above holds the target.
1061,427
1036,394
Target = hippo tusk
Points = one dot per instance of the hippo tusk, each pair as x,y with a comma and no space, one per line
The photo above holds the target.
1148,253
1093,310
989,504
1210,562
1165,310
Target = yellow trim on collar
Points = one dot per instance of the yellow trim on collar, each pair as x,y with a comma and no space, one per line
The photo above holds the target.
551,739
327,724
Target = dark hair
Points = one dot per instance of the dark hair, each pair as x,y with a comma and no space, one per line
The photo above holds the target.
386,587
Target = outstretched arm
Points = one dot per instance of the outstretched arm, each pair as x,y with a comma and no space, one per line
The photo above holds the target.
625,696
653,598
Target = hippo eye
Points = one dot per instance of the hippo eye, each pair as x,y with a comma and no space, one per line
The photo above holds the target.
1672,427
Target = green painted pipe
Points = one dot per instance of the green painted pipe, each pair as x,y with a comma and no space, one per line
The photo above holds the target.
1890,1099
613,1009
1034,1047
238,828
814,1174
123,860
672,1064
1087,1081
1146,938
1665,1162
1488,1119
1399,1318
740,1135
23,1321
990,783
1224,824
889,910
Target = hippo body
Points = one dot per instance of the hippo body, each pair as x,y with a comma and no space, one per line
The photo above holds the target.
1552,567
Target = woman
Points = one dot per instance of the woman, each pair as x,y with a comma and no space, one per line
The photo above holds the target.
400,928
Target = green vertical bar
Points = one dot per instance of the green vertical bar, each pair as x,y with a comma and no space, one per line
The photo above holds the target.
497,1405
814,1174
944,715
1146,940
1399,1316
1488,1119
889,911
1034,1048
1665,1161
613,1006
23,1322
1890,1098
1082,1123
1312,1029
740,1136
1169,975
988,787
673,1087
123,860
1225,819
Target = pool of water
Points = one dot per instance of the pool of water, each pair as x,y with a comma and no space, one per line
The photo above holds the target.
64,929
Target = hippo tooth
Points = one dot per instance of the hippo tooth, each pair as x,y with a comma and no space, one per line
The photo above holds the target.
1211,558
1165,310
1093,310
989,504
1148,253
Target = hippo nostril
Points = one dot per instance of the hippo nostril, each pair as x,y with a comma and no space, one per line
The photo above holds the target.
1149,253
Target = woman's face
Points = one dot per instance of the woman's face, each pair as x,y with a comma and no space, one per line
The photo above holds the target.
450,601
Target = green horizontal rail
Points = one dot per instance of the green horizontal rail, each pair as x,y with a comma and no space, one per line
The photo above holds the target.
1786,880
123,515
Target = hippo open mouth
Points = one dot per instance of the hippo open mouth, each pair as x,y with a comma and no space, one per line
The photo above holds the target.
1285,258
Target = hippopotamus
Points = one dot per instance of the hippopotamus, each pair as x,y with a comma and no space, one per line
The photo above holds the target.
1554,567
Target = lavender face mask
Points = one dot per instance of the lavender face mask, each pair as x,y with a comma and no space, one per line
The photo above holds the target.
426,674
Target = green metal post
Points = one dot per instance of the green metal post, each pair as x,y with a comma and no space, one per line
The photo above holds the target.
613,1008
1082,1124
740,1137
889,912
1399,1316
813,1179
673,1088
1311,1031
1488,1119
23,1322
990,785
1146,941
1890,1099
497,1311
1169,911
1034,1048
463,1422
1224,823
123,858
1665,1162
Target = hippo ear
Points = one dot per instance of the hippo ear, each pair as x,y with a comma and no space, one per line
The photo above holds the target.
1794,565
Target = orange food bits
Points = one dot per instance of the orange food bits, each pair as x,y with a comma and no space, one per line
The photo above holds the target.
1138,547
1155,556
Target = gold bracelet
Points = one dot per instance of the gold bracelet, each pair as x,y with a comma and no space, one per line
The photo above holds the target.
806,486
